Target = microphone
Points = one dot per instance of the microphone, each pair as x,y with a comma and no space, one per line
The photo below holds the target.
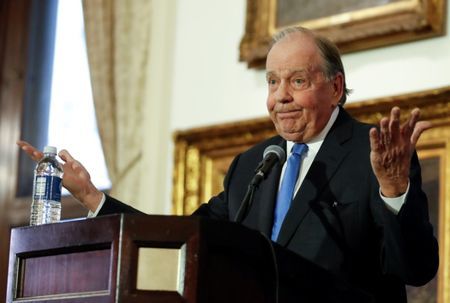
272,154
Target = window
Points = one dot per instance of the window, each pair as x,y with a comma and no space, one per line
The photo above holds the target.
72,122
58,105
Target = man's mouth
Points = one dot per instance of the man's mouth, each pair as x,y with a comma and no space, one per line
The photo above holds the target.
288,114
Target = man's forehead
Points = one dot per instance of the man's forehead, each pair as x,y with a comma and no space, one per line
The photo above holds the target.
287,71
292,62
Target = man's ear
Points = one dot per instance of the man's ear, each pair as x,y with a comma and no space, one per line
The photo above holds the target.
338,86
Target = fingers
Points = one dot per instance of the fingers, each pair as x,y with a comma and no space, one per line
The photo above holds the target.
66,156
71,162
389,132
394,124
30,150
415,115
390,128
419,128
408,127
22,143
392,133
374,140
385,135
413,128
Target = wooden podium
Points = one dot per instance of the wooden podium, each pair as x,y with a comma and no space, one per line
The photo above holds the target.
97,260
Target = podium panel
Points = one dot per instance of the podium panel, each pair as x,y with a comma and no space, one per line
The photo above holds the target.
55,273
70,261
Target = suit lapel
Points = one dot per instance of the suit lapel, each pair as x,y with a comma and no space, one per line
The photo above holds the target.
327,161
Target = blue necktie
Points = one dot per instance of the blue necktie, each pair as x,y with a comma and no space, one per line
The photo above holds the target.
286,192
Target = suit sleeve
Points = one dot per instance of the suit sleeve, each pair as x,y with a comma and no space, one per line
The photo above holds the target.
409,249
113,206
216,207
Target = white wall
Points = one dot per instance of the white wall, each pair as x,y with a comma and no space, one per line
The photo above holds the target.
209,85
399,69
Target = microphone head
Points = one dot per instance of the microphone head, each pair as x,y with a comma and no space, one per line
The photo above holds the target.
277,150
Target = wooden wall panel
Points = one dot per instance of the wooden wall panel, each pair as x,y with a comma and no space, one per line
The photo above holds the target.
14,21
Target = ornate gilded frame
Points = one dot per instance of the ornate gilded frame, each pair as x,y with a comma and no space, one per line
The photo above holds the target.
202,156
394,22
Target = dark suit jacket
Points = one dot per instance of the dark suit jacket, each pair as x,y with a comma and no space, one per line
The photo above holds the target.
337,220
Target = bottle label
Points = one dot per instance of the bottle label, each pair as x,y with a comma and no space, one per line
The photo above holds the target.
47,188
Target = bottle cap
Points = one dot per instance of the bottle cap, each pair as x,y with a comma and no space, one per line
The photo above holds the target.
50,150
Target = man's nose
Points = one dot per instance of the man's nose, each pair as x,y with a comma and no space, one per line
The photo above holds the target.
283,93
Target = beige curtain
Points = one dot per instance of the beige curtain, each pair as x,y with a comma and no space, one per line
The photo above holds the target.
129,53
118,35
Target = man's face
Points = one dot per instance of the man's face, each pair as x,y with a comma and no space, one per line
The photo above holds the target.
300,99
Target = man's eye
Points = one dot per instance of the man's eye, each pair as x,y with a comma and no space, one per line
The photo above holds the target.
299,81
272,81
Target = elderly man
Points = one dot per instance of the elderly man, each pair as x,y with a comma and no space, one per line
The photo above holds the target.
348,198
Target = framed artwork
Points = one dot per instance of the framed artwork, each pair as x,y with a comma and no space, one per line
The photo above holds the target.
352,24
434,160
202,157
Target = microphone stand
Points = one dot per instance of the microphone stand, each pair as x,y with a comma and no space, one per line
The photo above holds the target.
248,198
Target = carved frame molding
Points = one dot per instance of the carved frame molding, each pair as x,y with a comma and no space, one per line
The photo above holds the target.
388,24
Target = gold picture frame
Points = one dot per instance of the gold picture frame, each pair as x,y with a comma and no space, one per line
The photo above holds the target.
202,156
434,157
349,24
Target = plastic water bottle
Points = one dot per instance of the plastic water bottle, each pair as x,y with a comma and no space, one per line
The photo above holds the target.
46,205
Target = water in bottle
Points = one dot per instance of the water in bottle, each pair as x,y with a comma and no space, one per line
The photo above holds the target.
46,204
